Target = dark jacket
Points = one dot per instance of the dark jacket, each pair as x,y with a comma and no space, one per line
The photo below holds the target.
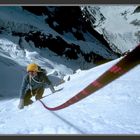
39,81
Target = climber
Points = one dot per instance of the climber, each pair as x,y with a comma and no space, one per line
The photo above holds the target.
34,84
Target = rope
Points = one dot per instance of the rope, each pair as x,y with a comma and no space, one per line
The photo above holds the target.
124,65
36,80
30,85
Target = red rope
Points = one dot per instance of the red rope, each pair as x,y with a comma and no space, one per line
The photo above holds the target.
117,70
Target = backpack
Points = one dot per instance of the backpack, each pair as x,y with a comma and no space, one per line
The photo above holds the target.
41,70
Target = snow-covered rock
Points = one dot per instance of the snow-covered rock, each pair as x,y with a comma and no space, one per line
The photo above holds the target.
119,24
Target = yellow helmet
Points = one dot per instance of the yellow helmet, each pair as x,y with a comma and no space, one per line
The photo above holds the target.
32,67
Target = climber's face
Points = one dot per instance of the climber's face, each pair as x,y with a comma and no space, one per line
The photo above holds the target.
32,73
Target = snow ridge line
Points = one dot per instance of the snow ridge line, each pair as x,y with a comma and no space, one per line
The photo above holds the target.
128,62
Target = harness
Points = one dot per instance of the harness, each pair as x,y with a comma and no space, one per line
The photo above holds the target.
35,80
30,79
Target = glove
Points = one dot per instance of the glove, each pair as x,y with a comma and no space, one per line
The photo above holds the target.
21,104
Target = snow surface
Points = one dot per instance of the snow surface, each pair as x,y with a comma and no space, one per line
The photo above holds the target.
115,109
116,27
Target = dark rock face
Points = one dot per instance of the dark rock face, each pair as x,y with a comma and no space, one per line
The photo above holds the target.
66,17
137,10
63,20
58,45
37,10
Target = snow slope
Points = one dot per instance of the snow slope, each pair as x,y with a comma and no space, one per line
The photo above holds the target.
115,109
117,23
10,73
27,32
